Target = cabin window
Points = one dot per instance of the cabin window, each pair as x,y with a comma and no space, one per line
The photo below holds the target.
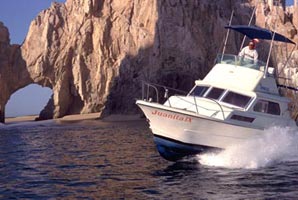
236,99
199,91
242,118
215,93
269,107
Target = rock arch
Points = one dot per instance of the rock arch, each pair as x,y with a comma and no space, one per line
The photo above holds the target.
93,54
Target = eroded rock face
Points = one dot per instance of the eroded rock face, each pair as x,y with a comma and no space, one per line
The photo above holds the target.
95,53
187,37
295,14
77,48
284,56
13,72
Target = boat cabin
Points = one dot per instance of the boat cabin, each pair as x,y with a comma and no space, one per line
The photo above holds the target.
239,91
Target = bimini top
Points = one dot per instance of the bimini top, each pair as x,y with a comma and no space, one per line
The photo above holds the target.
259,33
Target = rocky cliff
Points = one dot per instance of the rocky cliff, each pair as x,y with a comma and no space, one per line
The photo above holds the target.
13,72
284,56
94,54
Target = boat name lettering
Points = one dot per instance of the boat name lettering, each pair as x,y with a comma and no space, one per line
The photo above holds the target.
172,116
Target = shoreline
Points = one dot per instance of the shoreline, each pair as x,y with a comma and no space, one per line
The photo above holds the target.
26,118
74,118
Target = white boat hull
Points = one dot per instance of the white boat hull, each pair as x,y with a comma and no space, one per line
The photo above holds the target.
178,133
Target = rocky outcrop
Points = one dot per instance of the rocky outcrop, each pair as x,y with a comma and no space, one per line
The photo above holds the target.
77,49
13,72
187,37
94,54
295,14
284,56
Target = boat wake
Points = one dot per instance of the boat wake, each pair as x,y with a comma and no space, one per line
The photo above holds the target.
276,146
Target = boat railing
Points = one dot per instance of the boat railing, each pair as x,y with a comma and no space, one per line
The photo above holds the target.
221,109
151,92
240,61
201,107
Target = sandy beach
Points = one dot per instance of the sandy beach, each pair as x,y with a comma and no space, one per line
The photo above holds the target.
74,118
13,120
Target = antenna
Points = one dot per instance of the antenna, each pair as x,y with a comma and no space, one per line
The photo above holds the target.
274,3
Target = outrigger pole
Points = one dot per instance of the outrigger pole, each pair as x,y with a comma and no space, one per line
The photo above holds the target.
268,58
228,33
227,36
249,23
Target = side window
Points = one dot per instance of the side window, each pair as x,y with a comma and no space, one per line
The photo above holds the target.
215,93
236,99
261,106
269,107
242,118
199,91
273,108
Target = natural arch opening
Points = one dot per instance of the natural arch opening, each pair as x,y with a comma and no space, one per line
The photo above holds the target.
29,100
289,2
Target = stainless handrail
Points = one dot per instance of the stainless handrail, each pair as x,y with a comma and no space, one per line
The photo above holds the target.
223,114
147,86
196,105
195,100
148,91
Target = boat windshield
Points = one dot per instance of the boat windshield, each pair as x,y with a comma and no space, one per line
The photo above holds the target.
199,91
240,61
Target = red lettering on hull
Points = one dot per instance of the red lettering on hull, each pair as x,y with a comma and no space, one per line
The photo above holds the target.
172,116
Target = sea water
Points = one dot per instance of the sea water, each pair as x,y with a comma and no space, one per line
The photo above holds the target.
118,160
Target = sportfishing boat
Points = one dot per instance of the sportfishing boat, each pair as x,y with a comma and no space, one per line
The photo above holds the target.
237,100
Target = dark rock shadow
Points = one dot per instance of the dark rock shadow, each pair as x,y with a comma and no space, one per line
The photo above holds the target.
188,36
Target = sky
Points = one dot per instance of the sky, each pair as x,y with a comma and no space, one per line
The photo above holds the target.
289,2
17,16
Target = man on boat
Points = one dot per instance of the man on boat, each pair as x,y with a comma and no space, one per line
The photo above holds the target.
250,52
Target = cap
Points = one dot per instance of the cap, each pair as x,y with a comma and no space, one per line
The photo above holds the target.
255,40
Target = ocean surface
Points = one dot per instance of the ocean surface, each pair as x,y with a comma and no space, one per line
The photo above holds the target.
118,160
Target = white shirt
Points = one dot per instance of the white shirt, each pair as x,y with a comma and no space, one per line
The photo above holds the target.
249,53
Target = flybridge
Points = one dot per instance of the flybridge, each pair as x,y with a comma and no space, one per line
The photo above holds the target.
254,32
261,33
267,84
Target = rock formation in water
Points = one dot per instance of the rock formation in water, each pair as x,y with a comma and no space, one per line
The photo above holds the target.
13,71
78,49
94,54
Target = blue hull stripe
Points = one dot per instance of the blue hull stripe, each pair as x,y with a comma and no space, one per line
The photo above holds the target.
174,150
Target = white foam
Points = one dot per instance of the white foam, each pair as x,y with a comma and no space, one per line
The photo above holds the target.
275,146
